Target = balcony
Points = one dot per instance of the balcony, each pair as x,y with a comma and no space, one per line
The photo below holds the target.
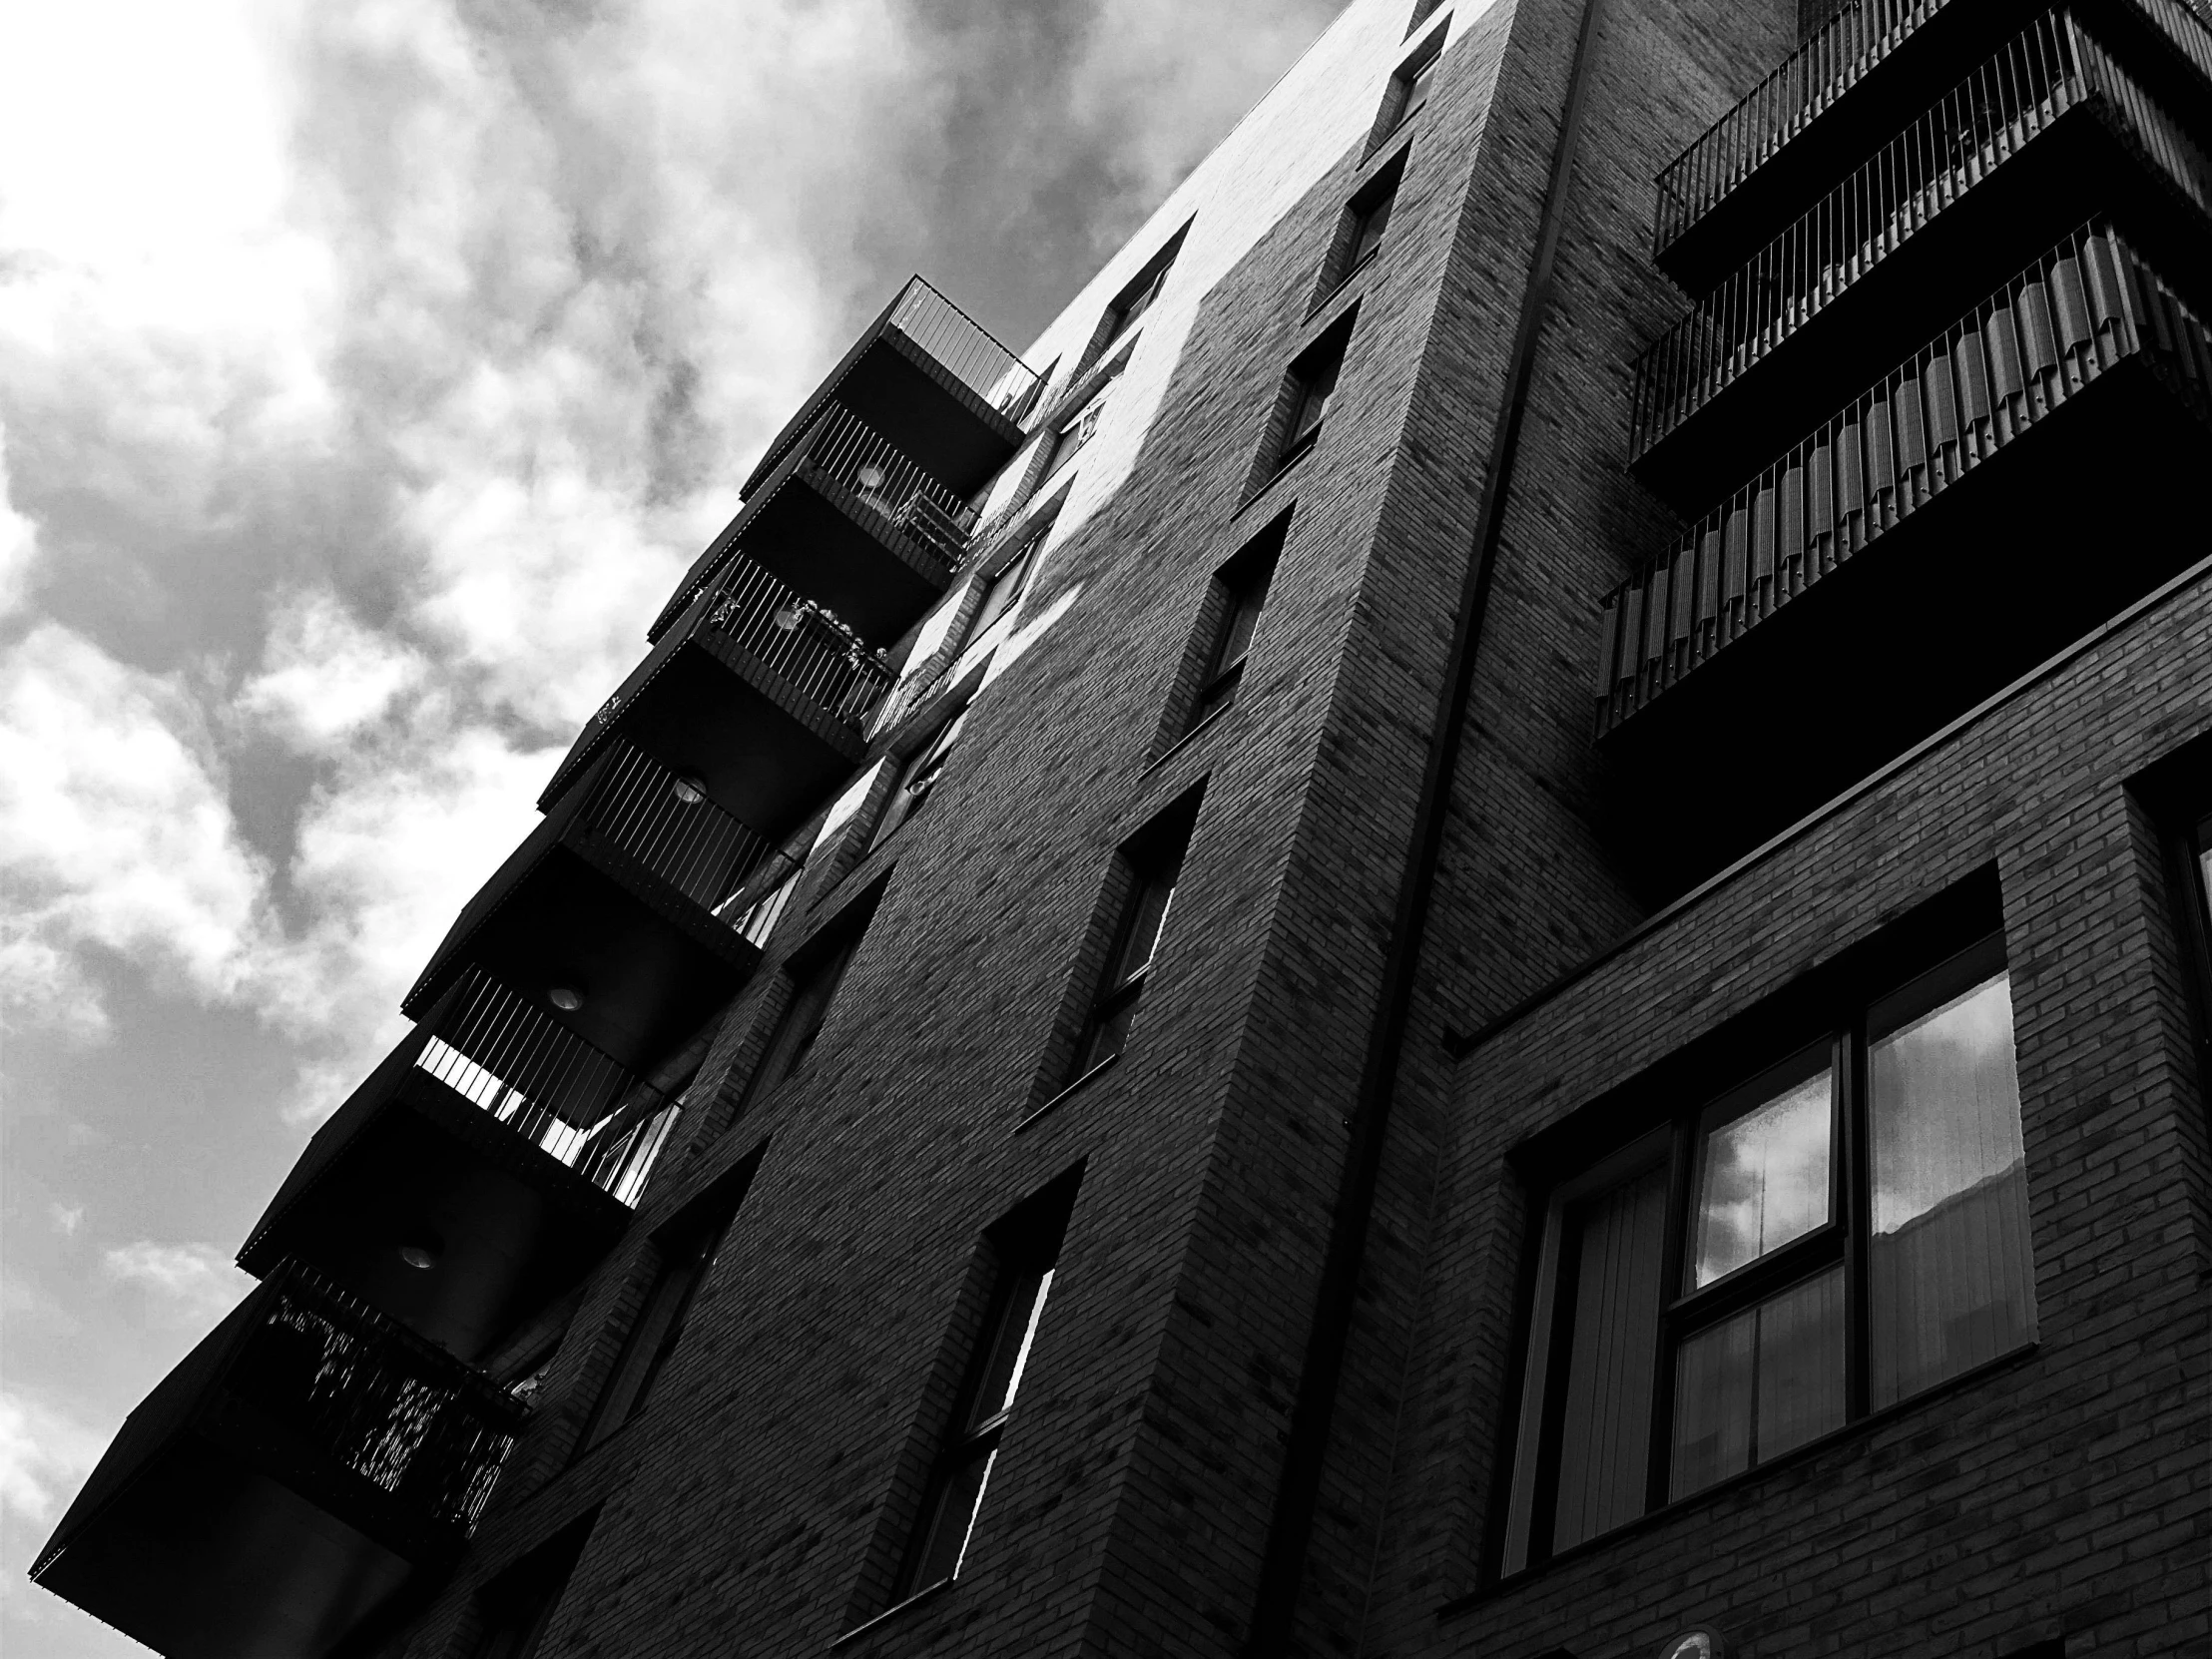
2044,134
1801,130
611,898
1995,496
933,381
850,522
307,1467
484,1167
756,695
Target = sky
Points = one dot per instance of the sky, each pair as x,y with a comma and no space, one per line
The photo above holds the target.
369,371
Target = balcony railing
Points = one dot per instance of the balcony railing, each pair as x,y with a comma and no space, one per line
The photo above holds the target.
667,822
548,1085
846,450
821,658
2069,317
1820,72
962,346
2022,89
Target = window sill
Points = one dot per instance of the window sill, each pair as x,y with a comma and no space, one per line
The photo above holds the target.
929,1592
1080,1083
1673,1510
1187,739
1286,465
1336,290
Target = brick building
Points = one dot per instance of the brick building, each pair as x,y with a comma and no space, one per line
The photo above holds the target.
1708,1148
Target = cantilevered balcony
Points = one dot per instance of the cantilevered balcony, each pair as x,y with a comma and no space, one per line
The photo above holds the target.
307,1468
2044,134
930,381
1849,88
848,520
486,1166
1994,497
755,695
609,903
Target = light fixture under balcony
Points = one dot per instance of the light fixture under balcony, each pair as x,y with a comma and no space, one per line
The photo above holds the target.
422,1252
788,618
872,476
567,998
689,787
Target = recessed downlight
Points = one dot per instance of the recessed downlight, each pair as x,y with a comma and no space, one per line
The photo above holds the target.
567,998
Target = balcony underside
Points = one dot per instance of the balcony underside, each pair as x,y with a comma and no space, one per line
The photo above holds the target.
833,546
571,907
407,1158
2055,533
1923,64
768,753
2076,169
900,390
205,1556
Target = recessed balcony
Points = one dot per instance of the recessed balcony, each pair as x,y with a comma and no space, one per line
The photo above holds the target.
610,901
756,695
1998,495
850,522
1841,95
2044,135
933,381
309,1467
484,1167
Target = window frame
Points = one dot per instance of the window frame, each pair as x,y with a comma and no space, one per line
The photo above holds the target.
1531,1426
1291,437
1411,88
1242,586
917,779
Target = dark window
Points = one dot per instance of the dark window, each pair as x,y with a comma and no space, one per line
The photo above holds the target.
814,989
1134,299
1002,592
1842,1230
1423,11
1409,90
918,776
1368,225
1125,315
1079,428
1152,876
687,1247
1307,390
1243,589
1019,1257
518,1606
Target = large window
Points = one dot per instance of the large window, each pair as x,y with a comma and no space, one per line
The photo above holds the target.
1152,874
1836,1234
1018,1260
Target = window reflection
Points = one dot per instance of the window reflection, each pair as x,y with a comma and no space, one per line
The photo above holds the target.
1763,1176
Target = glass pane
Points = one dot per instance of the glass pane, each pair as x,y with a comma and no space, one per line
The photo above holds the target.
1016,1333
1372,226
1762,1178
1109,1029
1951,1283
1147,917
1751,1388
1605,1429
954,1520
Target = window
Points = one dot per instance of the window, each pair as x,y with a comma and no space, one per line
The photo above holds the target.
687,1246
1423,10
1152,875
1306,391
1020,1257
1409,88
759,918
1839,1233
1368,225
1079,428
918,776
1002,592
1241,593
517,1606
1123,317
1129,306
813,988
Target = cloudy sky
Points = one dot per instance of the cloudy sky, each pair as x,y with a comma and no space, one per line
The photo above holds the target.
370,369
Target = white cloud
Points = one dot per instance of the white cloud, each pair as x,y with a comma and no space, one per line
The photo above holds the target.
18,543
117,831
190,1285
325,677
67,1218
45,1454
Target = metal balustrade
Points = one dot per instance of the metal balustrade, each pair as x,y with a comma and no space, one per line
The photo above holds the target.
2069,318
822,658
393,1407
1813,78
548,1085
962,346
667,822
2017,92
844,449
